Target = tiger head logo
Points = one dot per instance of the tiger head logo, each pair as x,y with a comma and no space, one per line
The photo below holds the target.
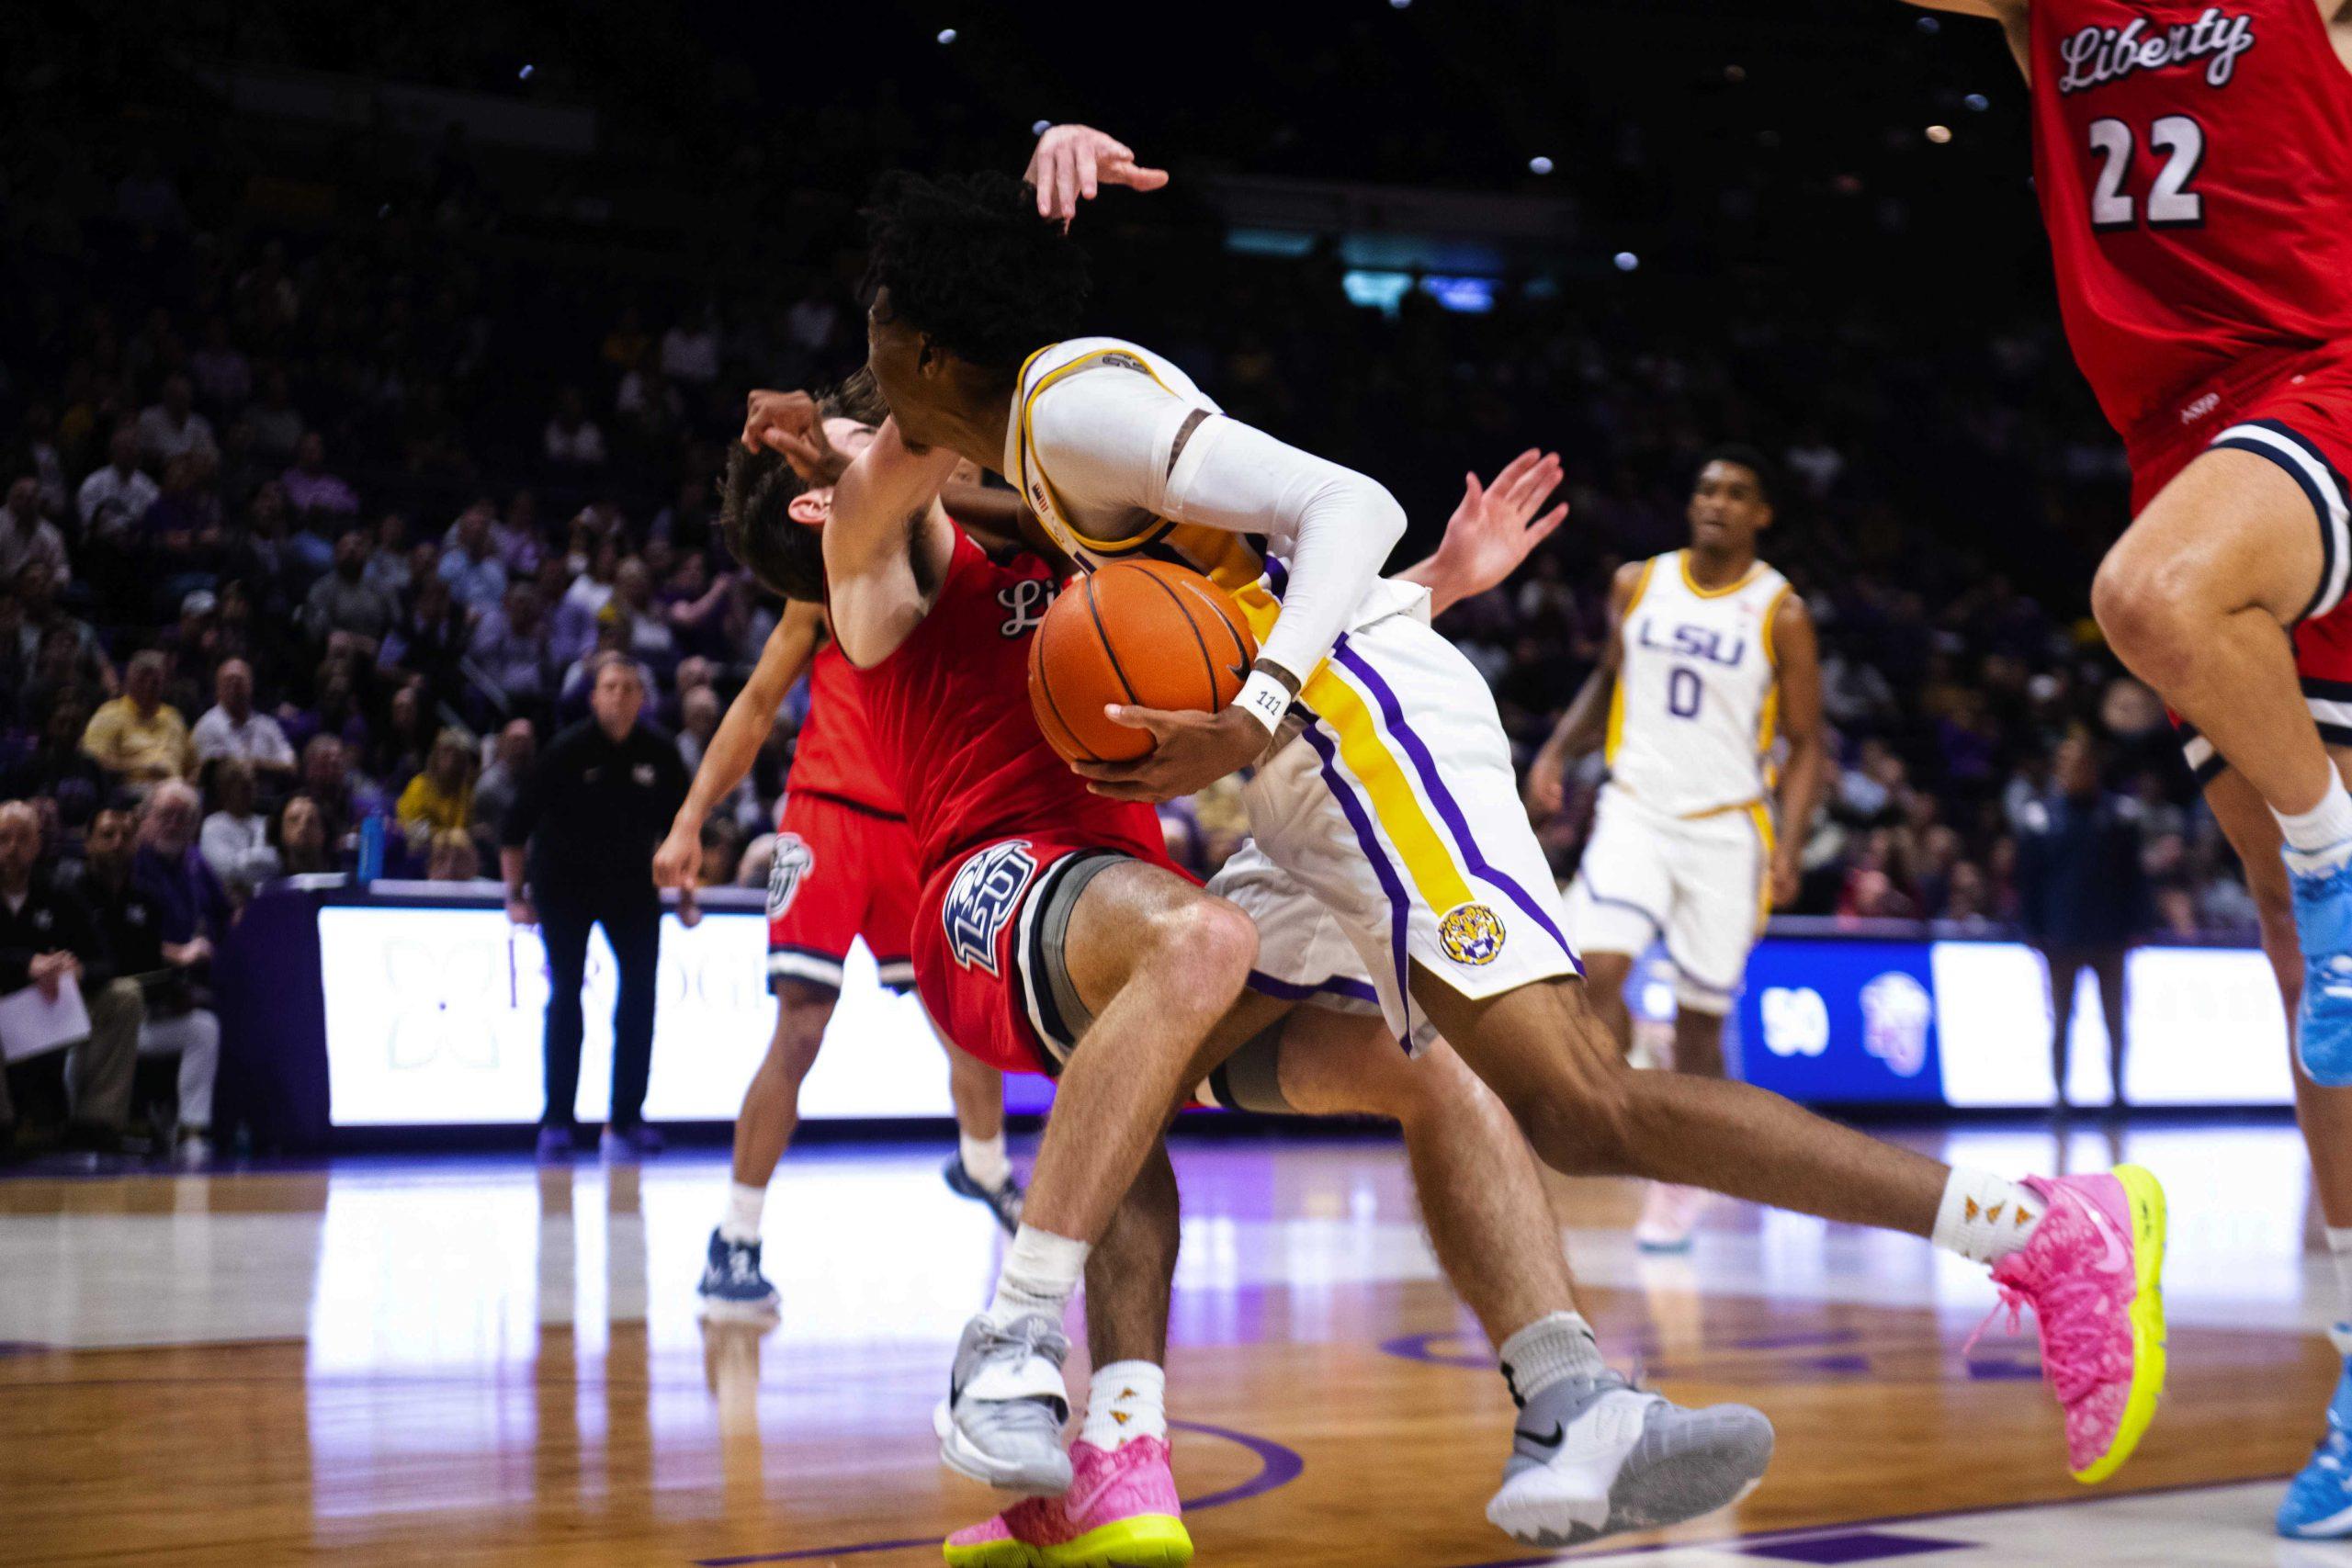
1471,934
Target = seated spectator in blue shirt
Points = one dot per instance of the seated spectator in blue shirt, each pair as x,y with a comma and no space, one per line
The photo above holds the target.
469,565
171,870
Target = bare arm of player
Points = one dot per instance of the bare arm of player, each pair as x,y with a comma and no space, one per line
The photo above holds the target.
1585,723
992,516
1490,533
2013,15
884,512
1805,777
1072,163
736,745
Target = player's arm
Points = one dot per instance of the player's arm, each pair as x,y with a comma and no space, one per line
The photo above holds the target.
1072,163
1585,721
884,511
1805,777
1490,533
994,517
2013,15
736,744
1132,444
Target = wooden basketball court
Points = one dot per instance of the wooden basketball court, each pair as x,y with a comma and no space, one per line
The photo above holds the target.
478,1363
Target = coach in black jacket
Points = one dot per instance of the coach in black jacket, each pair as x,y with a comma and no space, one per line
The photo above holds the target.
578,852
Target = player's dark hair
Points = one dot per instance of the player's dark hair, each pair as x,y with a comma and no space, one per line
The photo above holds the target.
857,397
1768,474
786,556
970,265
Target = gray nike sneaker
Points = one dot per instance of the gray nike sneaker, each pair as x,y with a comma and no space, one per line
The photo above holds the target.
1595,1459
1006,1406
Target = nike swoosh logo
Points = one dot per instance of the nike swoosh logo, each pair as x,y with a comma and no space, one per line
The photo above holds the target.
1076,1507
2118,1255
1238,672
1538,1438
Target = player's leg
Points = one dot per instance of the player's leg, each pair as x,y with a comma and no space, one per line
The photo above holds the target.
1152,963
564,926
734,1286
981,1168
1591,1455
2248,539
1122,1507
2318,1503
1607,974
2109,966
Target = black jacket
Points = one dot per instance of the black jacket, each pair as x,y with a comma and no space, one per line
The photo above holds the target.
2080,880
53,917
593,812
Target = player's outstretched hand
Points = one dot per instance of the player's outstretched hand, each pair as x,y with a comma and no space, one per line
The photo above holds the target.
1071,164
1497,525
1192,751
1546,786
792,424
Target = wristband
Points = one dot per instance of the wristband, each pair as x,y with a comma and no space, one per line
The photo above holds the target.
1265,698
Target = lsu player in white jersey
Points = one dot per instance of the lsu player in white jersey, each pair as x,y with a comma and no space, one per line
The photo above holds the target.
1711,659
1382,791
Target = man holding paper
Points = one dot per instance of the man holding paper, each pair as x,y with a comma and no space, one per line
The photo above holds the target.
57,989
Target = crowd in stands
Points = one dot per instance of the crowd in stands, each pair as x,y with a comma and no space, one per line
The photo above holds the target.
313,522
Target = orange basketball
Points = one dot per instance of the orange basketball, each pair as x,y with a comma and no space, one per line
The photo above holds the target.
1140,631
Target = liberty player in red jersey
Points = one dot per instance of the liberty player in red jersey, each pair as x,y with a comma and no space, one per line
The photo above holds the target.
2194,163
1047,909
843,867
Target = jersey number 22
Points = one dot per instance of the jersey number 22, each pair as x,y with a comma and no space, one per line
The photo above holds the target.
2171,203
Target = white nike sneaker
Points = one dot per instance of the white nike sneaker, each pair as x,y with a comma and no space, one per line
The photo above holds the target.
1669,1216
1006,1406
1600,1458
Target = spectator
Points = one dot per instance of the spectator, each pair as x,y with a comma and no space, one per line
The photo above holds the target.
167,864
645,631
701,717
277,423
328,784
232,729
343,601
45,621
173,428
516,538
223,376
302,845
235,838
578,849
49,940
114,498
317,496
58,770
390,565
690,350
134,924
138,737
510,649
25,536
441,795
470,562
510,764
2083,897
429,640
572,635
573,440
452,858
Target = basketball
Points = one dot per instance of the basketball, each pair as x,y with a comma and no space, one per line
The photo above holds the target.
1140,631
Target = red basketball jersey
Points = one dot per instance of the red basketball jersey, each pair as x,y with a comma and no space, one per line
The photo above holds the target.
2194,163
834,755
948,715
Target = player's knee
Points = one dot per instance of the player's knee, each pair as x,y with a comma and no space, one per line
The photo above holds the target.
802,1012
1210,945
2147,610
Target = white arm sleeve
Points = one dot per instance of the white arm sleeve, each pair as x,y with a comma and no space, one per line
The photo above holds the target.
1106,438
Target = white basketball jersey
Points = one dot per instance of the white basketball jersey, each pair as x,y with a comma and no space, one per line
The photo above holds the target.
1692,720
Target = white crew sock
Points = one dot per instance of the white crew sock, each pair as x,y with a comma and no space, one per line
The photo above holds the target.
2339,1246
1040,1274
1126,1400
741,1221
2319,838
985,1161
1984,1217
1550,1350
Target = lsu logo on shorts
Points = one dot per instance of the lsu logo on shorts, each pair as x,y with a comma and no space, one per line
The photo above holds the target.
1471,934
982,899
793,860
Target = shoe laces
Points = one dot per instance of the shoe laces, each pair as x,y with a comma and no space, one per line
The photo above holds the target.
743,1261
1031,1333
2078,1351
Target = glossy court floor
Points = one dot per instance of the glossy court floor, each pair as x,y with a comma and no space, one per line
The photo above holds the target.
473,1362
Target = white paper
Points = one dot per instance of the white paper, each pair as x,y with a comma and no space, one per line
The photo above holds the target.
31,1023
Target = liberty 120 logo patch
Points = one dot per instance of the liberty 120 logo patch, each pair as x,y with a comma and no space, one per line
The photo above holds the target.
792,863
982,899
1471,934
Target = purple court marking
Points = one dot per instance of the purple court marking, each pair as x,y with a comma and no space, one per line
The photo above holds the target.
25,1348
1277,1467
1423,1347
1858,1546
1420,1348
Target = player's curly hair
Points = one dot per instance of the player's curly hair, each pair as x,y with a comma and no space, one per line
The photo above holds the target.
969,263
787,557
1769,482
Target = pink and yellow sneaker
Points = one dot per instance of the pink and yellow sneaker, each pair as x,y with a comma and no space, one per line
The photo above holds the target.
1120,1512
2093,1273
